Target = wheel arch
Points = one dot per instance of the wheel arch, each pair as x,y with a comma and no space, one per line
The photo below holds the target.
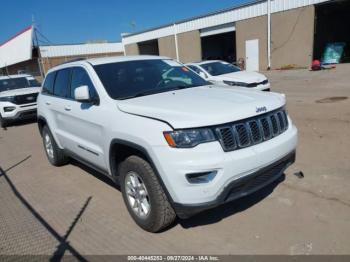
41,123
128,148
120,150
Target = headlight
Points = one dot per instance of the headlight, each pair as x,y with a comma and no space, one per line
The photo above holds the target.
189,138
230,83
7,99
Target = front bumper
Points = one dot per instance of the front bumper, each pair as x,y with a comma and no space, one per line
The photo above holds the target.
20,112
174,164
240,187
22,115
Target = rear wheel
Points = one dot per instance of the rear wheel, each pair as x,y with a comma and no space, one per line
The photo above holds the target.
144,196
3,123
54,154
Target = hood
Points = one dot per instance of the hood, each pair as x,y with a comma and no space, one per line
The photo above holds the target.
202,106
21,91
243,76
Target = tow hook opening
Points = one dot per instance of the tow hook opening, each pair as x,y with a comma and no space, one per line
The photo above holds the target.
9,108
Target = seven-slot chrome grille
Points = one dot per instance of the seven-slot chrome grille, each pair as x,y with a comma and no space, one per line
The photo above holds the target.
252,131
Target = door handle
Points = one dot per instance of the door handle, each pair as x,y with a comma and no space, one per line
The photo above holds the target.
48,103
67,108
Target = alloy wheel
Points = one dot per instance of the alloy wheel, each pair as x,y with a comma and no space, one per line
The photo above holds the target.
137,195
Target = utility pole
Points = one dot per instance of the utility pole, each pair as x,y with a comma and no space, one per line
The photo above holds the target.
37,46
268,34
133,26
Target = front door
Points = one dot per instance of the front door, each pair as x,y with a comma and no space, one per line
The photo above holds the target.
83,123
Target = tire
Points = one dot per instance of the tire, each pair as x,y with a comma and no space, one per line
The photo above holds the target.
54,154
3,123
160,214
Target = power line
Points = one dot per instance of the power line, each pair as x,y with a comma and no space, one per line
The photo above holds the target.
43,41
43,36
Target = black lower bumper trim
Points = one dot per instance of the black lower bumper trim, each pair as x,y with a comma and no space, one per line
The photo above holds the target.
240,187
23,115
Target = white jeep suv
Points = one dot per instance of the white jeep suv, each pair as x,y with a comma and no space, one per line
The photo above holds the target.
176,144
18,94
221,72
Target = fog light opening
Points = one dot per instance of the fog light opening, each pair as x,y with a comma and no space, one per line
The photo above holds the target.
200,178
9,108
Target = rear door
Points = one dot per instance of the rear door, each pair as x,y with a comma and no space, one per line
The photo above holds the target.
56,104
83,122
45,104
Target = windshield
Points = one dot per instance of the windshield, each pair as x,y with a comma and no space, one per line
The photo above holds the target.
130,79
220,68
13,83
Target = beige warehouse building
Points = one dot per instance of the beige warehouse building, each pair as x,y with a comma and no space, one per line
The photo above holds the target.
299,33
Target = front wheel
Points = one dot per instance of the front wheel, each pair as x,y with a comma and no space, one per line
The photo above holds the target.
144,196
54,154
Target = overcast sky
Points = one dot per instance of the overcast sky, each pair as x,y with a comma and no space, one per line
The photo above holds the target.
78,21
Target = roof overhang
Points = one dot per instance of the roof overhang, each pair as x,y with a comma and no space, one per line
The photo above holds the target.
219,29
80,49
17,49
237,13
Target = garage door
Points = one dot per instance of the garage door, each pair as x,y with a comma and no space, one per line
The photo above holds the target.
220,29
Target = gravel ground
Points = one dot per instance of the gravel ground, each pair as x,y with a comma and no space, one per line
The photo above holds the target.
73,210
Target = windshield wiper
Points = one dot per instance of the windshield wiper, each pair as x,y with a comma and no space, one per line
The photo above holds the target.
189,86
151,92
180,87
143,93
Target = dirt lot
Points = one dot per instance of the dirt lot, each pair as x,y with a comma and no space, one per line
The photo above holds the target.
48,210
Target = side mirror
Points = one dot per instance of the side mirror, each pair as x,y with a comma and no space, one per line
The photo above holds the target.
81,94
203,75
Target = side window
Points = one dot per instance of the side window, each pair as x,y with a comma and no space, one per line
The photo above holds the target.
48,84
34,83
200,70
193,68
196,69
81,78
61,88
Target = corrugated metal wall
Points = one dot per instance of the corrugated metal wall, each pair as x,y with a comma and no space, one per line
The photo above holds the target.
229,16
80,49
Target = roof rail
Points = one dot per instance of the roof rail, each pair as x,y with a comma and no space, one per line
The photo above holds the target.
73,60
